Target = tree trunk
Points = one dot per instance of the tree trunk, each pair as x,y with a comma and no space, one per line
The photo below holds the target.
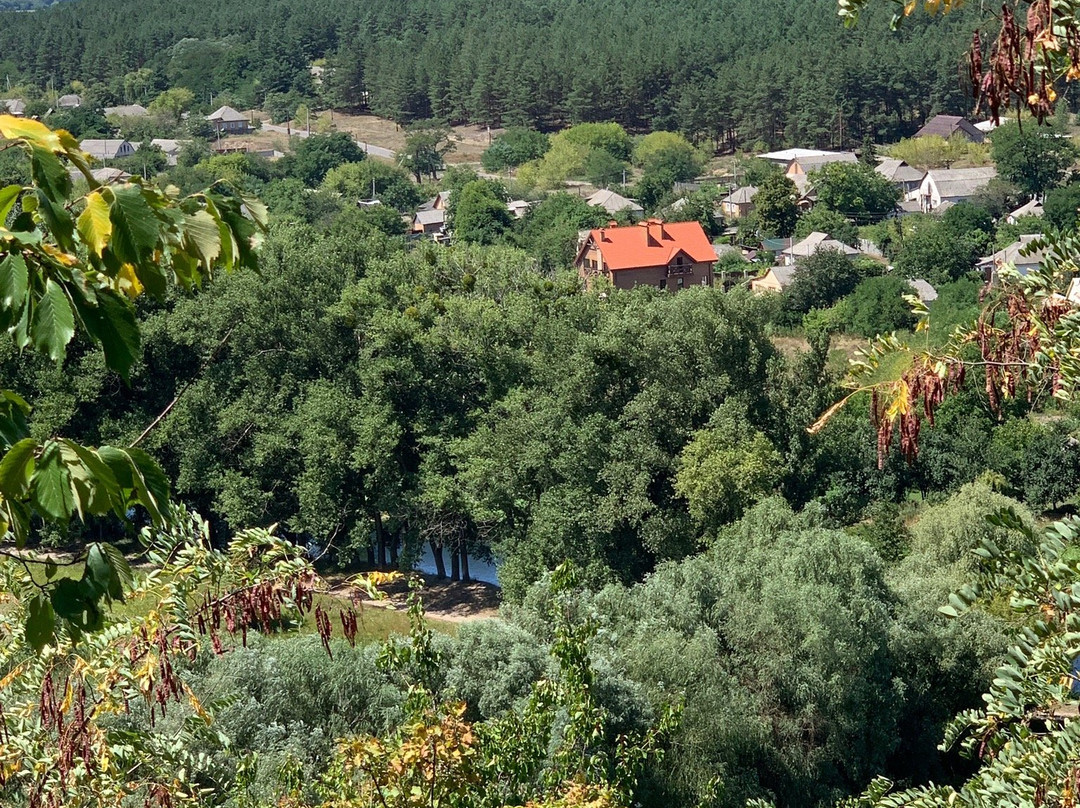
380,537
465,563
394,546
371,555
455,565
440,565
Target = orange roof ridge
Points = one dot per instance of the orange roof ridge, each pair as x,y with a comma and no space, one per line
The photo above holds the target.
624,247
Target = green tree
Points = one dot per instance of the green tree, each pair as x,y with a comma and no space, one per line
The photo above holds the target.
426,146
820,280
314,156
774,204
1032,157
1062,206
480,214
171,104
877,306
513,147
390,184
825,220
669,153
855,190
726,468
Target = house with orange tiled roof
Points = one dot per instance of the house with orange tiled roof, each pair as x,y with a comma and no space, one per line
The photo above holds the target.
664,255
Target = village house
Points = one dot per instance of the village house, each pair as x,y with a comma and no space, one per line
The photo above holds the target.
777,279
923,290
518,208
801,166
13,106
429,222
1033,207
1019,254
739,202
904,177
127,111
227,121
813,243
615,203
108,149
784,157
948,125
171,148
70,101
952,185
664,255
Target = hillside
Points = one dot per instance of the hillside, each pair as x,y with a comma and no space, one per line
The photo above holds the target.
734,73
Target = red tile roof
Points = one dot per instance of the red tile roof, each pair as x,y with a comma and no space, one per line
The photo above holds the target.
650,244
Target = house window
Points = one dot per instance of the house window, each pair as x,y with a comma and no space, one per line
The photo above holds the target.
680,283
663,284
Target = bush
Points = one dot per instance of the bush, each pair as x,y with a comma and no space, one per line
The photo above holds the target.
877,306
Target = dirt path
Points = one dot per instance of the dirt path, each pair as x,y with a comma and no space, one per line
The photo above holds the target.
454,601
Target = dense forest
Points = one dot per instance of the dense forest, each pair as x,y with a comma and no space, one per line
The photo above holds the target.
780,71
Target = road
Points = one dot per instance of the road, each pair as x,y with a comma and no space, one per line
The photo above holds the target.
369,148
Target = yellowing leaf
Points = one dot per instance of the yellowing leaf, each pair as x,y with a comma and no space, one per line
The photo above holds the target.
130,284
94,224
31,131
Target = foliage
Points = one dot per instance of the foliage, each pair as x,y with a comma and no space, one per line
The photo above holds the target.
1032,157
854,189
1062,205
820,280
313,157
726,467
550,228
877,306
480,214
821,219
934,151
425,147
389,184
774,206
932,251
135,238
513,147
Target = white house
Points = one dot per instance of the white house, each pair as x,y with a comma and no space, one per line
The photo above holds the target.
906,178
1019,254
814,243
1033,207
952,185
108,149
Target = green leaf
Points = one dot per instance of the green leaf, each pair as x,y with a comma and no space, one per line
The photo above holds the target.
101,575
135,231
151,484
202,237
14,278
52,485
54,323
8,195
60,223
76,602
103,491
112,323
16,468
40,623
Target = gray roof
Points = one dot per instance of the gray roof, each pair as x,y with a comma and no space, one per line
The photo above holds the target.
784,275
128,111
429,217
727,249
741,196
69,101
898,171
1031,208
226,114
104,149
13,106
961,182
1013,253
818,241
613,202
948,125
813,163
924,290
